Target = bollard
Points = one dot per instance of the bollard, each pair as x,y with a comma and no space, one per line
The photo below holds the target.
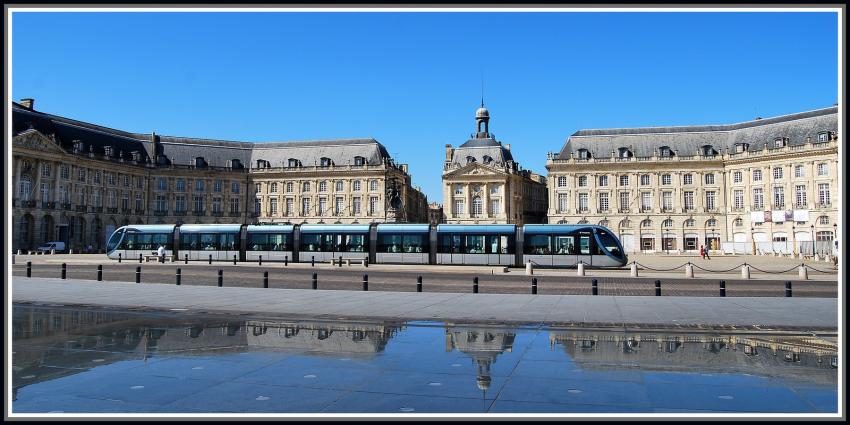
99,273
529,269
745,271
722,288
210,258
366,262
689,270
29,268
580,269
594,286
52,252
315,281
657,288
286,260
634,269
261,260
788,288
19,252
419,284
475,285
139,274
186,259
13,258
140,258
177,276
70,251
340,260
313,261
119,257
162,259
64,270
234,259
220,278
365,282
534,286
265,279
804,272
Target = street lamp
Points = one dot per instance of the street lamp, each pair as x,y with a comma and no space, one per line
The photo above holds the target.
793,239
813,240
835,237
753,237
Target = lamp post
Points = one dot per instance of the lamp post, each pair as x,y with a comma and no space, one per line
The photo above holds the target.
813,240
753,238
794,239
835,238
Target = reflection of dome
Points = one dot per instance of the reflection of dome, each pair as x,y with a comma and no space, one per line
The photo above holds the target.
483,382
482,112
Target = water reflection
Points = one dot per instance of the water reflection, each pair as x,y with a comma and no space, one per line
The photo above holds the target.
483,345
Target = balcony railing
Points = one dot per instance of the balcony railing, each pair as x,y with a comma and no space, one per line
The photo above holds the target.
140,212
218,213
66,206
820,205
96,209
234,214
126,211
624,210
180,213
81,208
199,213
757,208
667,210
112,210
160,213
48,205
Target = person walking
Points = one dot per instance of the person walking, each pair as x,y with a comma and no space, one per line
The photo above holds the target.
702,251
706,256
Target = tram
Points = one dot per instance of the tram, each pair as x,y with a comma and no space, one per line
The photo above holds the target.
544,245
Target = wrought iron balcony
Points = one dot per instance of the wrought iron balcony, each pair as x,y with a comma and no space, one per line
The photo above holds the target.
48,205
112,210
81,208
218,213
199,213
160,213
820,205
126,211
234,214
97,209
180,213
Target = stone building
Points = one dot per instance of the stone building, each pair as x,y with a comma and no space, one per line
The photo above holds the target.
762,186
77,182
483,184
435,213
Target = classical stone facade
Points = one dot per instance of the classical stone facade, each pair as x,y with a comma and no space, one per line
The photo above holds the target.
76,182
482,184
767,185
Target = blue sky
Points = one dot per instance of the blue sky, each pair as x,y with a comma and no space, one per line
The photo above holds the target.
413,80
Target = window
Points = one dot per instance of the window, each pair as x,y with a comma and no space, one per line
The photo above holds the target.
603,201
495,207
294,163
710,198
458,189
644,180
625,153
470,159
688,200
289,207
355,185
624,201
823,193
563,202
667,223
339,205
778,142
738,222
355,205
494,189
305,206
823,137
373,205
161,203
603,181
125,201
199,203
777,173
323,186
359,160
45,192
181,185
257,188
340,185
646,223
624,180
45,170
758,198
667,201
798,171
325,162
708,150
756,175
582,181
63,194
800,196
199,185
217,186
476,188
779,197
323,206
562,181
234,187
97,177
665,152
741,147
125,179
110,178
25,188
65,172
81,175
690,222
582,202
583,154
738,199
645,201
234,205
216,205
709,178
180,203
305,187
711,222
476,206
273,206
273,188
666,179
373,185
97,200
113,199
823,169
688,179
737,177
823,219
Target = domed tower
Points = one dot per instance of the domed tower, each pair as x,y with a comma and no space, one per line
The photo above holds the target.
482,116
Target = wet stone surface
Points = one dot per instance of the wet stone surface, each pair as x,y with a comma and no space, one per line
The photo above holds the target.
70,360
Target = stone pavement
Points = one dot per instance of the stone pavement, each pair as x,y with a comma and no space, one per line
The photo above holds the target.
786,313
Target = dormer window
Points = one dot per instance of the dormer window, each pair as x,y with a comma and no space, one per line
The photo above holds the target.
779,142
487,159
708,150
293,163
665,151
823,137
78,146
741,147
137,156
359,160
625,153
470,159
235,164
583,154
107,151
200,162
326,162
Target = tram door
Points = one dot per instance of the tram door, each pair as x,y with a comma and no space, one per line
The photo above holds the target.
584,248
565,251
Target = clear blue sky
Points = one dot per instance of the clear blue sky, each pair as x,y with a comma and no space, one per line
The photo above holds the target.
413,80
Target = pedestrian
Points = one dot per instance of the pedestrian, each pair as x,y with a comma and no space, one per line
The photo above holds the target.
707,257
702,251
161,253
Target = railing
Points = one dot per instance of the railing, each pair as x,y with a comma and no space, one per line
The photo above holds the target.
96,209
667,210
757,208
199,213
218,213
181,213
48,205
112,210
624,210
126,211
160,213
823,205
81,208
234,214
140,212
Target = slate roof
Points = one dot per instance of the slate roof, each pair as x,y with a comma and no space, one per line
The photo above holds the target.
688,140
478,148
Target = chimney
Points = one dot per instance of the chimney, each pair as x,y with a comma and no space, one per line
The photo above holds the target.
449,152
28,103
507,146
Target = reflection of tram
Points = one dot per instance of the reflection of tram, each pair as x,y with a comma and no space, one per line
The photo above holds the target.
505,244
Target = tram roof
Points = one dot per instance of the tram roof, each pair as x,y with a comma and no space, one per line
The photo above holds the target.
150,228
278,228
203,228
549,228
476,228
332,228
403,228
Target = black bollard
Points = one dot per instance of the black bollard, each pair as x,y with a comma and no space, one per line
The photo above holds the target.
722,288
340,260
119,257
534,286
210,258
657,288
475,285
315,281
366,262
99,273
220,278
186,259
313,261
29,268
261,260
139,274
162,258
64,271
788,288
594,287
365,282
265,279
234,259
419,284
286,260
140,258
177,276
13,259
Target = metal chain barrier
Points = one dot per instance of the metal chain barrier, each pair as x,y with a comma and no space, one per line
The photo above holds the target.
770,272
659,270
822,271
718,271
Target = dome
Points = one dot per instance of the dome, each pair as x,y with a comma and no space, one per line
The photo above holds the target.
482,112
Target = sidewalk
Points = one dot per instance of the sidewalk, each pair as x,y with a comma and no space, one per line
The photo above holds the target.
786,313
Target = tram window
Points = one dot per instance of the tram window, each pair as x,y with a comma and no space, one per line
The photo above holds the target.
351,243
450,244
538,245
311,242
610,244
162,239
327,243
499,244
565,245
474,244
189,241
584,245
415,243
208,242
269,242
389,243
227,241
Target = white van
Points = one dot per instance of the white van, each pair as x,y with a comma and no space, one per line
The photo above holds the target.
58,246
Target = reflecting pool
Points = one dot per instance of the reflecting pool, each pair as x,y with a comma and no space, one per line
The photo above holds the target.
71,360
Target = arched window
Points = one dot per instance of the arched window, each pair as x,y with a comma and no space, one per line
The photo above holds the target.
711,222
582,221
739,222
487,159
476,206
24,231
708,150
603,223
823,219
646,223
470,159
200,162
326,162
667,223
25,188
625,223
665,152
690,222
625,153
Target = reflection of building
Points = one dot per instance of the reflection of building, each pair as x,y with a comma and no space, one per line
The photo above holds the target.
483,184
801,357
319,338
76,182
772,181
482,344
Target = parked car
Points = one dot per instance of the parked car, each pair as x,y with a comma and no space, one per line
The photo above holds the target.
58,246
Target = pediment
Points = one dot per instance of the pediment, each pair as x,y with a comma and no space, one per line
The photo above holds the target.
32,139
474,170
